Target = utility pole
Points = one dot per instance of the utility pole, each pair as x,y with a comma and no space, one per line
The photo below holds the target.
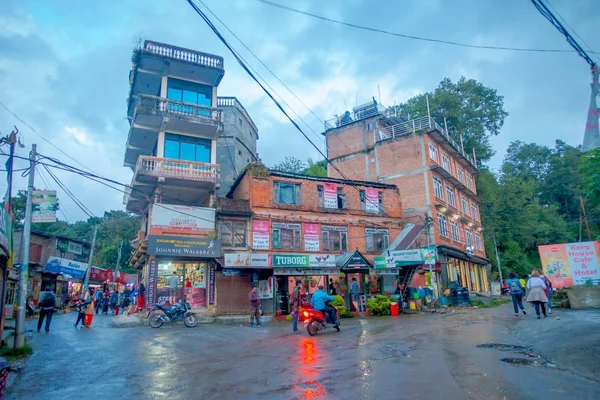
585,218
24,267
428,224
12,141
86,281
498,261
118,263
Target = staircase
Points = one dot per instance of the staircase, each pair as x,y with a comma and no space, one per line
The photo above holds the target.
405,278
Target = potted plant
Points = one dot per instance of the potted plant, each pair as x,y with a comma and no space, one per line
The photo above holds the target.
306,281
313,282
341,276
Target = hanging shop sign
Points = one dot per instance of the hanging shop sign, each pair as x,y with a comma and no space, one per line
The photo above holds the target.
5,231
304,260
330,199
428,255
68,268
357,261
311,237
260,235
211,286
43,203
231,272
247,260
69,246
183,246
371,200
400,258
152,281
569,264
183,220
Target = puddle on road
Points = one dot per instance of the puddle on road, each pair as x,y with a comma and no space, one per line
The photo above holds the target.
530,358
504,347
529,361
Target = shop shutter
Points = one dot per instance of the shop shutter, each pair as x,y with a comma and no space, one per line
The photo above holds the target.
232,294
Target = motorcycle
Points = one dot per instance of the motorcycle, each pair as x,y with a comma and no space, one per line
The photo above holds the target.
315,321
177,312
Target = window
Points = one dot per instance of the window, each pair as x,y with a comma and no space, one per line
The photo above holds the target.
341,197
380,201
474,212
470,181
286,236
450,196
438,188
454,230
372,125
478,242
233,233
433,152
287,193
180,147
461,174
469,235
363,201
378,240
446,161
442,225
334,238
465,204
189,92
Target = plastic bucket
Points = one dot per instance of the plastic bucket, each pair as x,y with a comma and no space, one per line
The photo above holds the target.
394,309
443,301
87,320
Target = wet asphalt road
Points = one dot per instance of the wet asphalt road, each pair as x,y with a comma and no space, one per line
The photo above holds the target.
412,356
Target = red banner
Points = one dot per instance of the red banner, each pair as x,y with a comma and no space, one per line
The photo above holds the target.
103,275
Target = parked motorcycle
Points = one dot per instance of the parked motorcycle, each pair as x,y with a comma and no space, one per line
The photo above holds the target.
177,312
315,320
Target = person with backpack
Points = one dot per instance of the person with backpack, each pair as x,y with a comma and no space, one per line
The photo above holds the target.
47,306
548,289
516,292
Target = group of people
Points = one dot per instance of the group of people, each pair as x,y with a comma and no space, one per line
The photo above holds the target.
537,289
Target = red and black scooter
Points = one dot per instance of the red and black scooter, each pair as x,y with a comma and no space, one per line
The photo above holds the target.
315,320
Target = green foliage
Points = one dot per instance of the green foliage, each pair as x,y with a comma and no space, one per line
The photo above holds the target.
318,169
346,314
293,165
590,171
289,317
12,353
338,302
471,109
478,303
380,305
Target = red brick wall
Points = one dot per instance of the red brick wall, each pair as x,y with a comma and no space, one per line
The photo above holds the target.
400,156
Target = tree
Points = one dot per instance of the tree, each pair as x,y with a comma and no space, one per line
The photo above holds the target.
590,168
291,164
471,109
528,161
318,169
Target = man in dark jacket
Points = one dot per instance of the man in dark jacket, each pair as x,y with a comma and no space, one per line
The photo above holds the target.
47,306
254,299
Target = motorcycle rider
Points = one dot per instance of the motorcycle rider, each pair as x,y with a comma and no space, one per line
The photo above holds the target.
318,302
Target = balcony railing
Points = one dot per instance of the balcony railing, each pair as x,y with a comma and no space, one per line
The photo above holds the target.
358,113
417,125
233,102
155,105
183,54
177,169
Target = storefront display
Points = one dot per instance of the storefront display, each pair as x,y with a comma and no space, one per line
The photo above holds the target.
191,281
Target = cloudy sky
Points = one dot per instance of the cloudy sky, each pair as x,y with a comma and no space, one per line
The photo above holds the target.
64,68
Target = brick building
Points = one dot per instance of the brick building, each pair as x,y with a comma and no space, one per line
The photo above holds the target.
277,227
435,176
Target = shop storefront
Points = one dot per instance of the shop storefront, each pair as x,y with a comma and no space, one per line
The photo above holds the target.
355,268
240,272
312,269
181,266
469,272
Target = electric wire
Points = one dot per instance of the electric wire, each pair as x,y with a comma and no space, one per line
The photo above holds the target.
412,37
570,27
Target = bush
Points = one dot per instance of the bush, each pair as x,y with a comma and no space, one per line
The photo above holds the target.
338,302
380,305
346,314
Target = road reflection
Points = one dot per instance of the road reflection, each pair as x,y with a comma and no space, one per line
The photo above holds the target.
307,356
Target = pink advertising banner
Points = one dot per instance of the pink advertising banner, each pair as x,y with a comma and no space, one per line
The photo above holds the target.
330,195
569,264
260,235
372,200
311,237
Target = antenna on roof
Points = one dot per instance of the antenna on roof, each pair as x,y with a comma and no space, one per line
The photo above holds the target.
345,106
474,157
379,94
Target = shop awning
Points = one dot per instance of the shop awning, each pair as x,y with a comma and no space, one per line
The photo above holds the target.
352,260
461,255
406,238
139,257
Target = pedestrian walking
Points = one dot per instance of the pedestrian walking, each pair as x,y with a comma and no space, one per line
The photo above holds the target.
354,290
537,293
254,299
516,292
105,300
332,288
114,299
81,306
89,310
98,299
548,289
173,283
141,301
295,300
523,281
47,306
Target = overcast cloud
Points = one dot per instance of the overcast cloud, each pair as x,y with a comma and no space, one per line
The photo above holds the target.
64,69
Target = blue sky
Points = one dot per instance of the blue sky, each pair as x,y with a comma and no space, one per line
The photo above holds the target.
64,69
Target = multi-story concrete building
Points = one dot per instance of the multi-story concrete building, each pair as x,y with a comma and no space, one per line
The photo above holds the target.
278,227
175,152
435,176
